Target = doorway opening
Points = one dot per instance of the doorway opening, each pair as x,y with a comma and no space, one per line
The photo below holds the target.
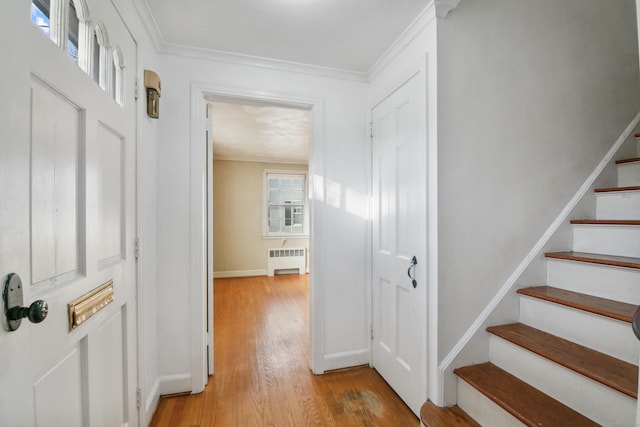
202,208
258,175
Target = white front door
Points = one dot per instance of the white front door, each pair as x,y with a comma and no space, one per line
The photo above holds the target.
67,219
399,234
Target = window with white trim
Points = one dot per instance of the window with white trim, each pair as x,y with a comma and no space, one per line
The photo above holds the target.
286,212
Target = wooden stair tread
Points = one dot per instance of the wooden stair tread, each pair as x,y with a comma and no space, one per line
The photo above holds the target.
528,404
453,416
614,189
592,304
615,261
606,221
631,160
609,371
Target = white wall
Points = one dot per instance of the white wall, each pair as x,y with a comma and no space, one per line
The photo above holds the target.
531,97
342,274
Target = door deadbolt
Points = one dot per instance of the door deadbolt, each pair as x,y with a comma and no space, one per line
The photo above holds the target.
14,312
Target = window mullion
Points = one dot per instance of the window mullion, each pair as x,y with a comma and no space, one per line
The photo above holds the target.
105,68
58,23
84,46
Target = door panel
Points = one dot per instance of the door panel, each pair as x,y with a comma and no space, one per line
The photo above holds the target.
111,149
399,233
67,225
55,145
58,393
109,370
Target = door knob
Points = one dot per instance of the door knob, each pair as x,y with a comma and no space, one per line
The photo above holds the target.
13,309
36,312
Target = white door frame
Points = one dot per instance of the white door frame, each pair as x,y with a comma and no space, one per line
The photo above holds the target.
428,132
199,217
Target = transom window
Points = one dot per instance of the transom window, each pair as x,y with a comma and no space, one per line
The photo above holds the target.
40,13
73,34
286,204
68,25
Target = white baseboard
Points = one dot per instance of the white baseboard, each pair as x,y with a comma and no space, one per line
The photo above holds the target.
172,384
169,384
346,359
151,402
238,273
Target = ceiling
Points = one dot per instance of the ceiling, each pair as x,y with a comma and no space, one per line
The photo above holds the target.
260,133
340,34
345,35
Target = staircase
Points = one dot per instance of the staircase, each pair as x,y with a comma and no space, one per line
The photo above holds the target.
572,359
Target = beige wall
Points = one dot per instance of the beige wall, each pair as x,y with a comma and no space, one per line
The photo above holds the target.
238,245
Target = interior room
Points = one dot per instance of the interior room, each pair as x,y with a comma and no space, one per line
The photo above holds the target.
465,213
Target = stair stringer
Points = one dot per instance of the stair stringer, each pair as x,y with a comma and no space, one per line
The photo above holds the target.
473,346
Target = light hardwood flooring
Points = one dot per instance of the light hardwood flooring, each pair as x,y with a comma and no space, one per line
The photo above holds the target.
262,376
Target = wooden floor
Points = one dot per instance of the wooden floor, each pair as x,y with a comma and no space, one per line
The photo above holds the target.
262,376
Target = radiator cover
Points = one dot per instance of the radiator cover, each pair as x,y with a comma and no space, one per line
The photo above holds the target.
286,259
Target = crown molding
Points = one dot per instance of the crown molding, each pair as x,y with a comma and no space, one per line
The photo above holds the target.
150,24
422,21
435,8
260,62
443,7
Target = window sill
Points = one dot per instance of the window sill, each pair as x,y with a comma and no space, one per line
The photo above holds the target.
286,236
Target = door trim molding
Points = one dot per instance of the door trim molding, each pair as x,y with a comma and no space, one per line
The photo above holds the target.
200,94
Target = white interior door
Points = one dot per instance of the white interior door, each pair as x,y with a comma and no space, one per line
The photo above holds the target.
399,234
67,221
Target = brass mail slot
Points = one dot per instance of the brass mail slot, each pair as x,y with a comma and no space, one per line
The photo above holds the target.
89,304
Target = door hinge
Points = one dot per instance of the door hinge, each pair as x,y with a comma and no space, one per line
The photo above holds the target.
136,91
137,248
138,397
371,331
371,130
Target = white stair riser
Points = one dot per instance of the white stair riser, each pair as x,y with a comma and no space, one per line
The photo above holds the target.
600,333
629,174
607,239
619,284
482,409
590,398
618,205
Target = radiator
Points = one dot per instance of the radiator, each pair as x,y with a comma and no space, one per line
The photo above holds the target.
286,259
